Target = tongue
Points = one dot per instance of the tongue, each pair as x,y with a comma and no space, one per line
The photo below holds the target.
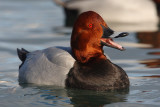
109,42
115,44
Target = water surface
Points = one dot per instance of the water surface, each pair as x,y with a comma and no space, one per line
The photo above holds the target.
38,24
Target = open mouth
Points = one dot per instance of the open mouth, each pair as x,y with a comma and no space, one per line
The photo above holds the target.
110,43
107,36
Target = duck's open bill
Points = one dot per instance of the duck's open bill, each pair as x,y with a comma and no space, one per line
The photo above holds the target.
108,35
109,42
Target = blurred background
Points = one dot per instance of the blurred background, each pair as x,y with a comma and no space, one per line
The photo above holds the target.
38,24
128,15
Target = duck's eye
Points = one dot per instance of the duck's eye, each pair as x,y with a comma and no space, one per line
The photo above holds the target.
90,25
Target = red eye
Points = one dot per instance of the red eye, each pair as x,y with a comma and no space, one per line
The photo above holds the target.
90,25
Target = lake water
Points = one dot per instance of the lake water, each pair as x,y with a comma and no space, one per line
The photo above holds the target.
38,24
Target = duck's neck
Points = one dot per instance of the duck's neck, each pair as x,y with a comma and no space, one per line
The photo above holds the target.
88,56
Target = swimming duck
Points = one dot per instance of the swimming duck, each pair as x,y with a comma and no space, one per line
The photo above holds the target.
128,15
84,65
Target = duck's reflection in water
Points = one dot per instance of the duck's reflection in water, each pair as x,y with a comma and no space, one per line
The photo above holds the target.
151,63
86,98
152,38
76,97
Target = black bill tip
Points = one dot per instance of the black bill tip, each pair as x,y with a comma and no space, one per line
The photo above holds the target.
123,49
122,34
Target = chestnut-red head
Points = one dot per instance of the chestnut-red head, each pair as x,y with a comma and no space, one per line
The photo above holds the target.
90,33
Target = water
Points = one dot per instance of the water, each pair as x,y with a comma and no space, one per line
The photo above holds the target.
37,24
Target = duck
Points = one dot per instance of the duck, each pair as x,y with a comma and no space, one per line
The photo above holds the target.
120,15
84,65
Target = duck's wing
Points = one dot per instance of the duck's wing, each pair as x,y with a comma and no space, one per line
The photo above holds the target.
61,56
48,66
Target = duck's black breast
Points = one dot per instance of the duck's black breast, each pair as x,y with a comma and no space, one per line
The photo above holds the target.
98,75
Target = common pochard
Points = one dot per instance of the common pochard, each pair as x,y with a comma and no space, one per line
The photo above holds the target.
84,65
128,15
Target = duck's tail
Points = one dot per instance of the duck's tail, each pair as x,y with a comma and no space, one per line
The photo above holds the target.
22,54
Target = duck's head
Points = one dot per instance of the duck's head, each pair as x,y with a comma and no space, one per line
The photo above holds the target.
90,33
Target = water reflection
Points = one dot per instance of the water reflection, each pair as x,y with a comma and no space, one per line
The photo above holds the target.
82,98
154,53
152,76
152,38
76,97
151,63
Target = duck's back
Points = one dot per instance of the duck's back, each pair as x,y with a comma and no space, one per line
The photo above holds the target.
48,66
100,75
